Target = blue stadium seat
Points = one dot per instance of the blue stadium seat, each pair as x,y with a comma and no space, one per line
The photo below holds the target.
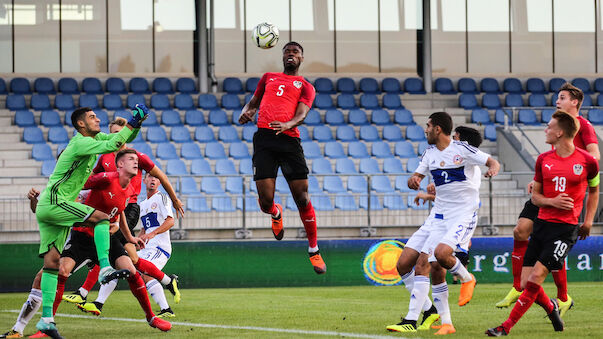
15,102
357,149
392,133
595,116
138,139
160,102
412,164
423,145
554,99
499,116
281,185
190,151
380,117
313,118
218,118
588,101
186,85
412,205
251,84
345,133
238,150
211,185
48,167
20,86
134,99
357,117
512,85
170,118
334,117
92,86
345,202
334,150
346,85
230,101
64,102
41,152
555,84
392,101
50,118
598,85
357,184
24,118
537,100
163,85
311,149
166,151
234,185
403,117
321,166
394,202
40,102
444,86
414,86
180,134
375,202
380,149
232,85
391,85
404,149
200,167
116,86
536,86
208,101
197,205
600,100
528,117
324,86
346,101
321,202
188,186
480,116
490,132
513,100
3,88
467,85
152,120
246,167
546,115
183,102
248,132
33,135
583,84
401,183
143,147
175,167
68,86
369,101
345,166
194,118
58,135
228,133
369,133
323,101
333,184
322,133
139,86
369,86
215,150
44,86
489,85
468,101
88,100
392,165
491,101
415,133
112,102
304,135
251,203
225,167
156,134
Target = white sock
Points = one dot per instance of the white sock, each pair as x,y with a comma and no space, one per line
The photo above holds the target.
156,291
277,215
409,280
83,292
417,297
461,271
440,299
312,249
427,304
166,280
29,309
105,291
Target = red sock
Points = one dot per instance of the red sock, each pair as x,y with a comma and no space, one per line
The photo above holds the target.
61,279
522,305
91,278
519,250
272,210
139,290
543,300
149,269
560,278
308,217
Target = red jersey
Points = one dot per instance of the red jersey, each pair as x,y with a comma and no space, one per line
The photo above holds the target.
586,134
280,93
106,163
106,195
568,175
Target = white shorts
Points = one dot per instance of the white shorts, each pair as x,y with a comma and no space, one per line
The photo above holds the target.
455,231
153,254
417,240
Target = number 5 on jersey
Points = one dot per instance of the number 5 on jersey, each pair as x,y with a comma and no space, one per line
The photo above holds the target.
281,89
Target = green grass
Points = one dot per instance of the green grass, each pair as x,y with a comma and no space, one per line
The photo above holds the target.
361,310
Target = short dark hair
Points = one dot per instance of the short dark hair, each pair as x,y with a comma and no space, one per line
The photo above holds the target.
443,120
472,136
122,153
79,114
294,43
567,123
574,92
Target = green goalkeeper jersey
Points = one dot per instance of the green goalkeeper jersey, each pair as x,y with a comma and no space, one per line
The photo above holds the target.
75,164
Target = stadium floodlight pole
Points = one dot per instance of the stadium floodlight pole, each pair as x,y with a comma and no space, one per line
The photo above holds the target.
202,38
427,76
212,49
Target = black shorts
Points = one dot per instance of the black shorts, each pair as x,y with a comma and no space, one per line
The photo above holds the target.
550,243
271,151
463,257
132,212
530,211
81,249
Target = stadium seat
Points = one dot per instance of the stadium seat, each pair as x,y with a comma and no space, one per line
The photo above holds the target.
116,86
546,115
64,102
401,183
48,167
415,133
357,150
112,102
188,186
380,149
334,117
218,118
208,102
190,151
249,131
582,84
175,167
412,205
334,150
600,100
170,118
166,151
595,116
403,117
444,86
251,203
324,86
512,85
369,101
15,102
345,202
138,139
281,185
143,147
345,166
311,149
41,152
392,101
555,84
369,86
215,150
68,86
468,101
598,85
369,133
321,202
414,86
394,202
156,134
588,101
232,85
50,118
234,185
180,134
323,101
163,85
489,85
152,120
251,84
197,205
194,118
238,150
225,167
467,86
513,100
183,102
3,88
246,166
186,85
20,86
346,85
554,99
391,85
423,145
139,86
499,116
357,117
392,165
58,135
412,164
357,184
231,101
345,133
313,118
491,101
321,166
228,134
333,184
480,116
24,118
44,86
133,99
40,102
88,100
346,101
380,117
33,135
211,185
536,86
92,86
528,117
322,133
404,149
201,167
392,133
490,132
160,102
304,135
375,203
537,100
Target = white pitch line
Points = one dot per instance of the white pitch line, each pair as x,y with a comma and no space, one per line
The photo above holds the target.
229,327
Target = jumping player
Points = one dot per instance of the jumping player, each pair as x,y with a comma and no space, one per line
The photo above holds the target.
560,181
284,100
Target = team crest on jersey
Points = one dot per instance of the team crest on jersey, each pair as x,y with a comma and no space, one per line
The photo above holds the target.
457,159
578,169
297,84
153,205
442,164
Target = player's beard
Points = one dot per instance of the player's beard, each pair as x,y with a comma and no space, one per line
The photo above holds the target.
291,67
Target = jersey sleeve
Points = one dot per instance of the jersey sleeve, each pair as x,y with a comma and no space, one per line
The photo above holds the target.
100,180
423,167
588,135
474,155
166,206
99,165
307,94
261,87
592,171
102,143
538,169
144,162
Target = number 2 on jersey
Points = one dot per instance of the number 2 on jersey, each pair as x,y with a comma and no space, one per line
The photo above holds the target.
559,184
281,89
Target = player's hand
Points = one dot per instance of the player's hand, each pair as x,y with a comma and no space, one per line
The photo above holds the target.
420,196
247,116
113,227
33,194
138,242
139,114
179,208
414,182
563,202
279,126
147,236
530,187
431,189
584,231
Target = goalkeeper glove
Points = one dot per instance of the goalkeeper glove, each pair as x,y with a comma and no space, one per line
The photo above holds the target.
139,114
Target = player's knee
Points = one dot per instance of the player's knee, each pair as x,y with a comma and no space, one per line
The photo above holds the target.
519,233
442,252
37,280
64,271
97,216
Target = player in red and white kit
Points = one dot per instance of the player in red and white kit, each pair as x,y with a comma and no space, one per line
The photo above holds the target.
284,100
560,181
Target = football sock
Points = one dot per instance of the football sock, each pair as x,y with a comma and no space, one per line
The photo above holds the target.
102,242
148,268
417,297
165,280
461,271
519,250
525,301
91,279
409,280
308,218
560,278
29,309
439,293
59,295
312,249
105,291
49,289
273,211
140,292
156,291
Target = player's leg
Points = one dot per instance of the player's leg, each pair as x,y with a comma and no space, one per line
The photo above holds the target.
80,296
28,310
156,291
563,299
265,170
439,292
66,266
150,261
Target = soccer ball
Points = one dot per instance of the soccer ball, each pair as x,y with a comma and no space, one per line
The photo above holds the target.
265,35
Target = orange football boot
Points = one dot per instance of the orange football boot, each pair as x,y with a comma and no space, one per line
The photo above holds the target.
446,329
319,265
277,224
467,291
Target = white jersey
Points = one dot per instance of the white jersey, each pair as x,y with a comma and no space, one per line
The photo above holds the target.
454,175
153,212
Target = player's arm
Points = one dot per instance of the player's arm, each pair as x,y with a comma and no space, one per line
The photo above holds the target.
32,195
300,114
593,149
125,230
165,226
493,167
562,201
98,181
423,196
414,182
158,173
592,201
103,143
252,106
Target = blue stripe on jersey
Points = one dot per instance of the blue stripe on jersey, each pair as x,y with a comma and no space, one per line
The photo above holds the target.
467,146
149,220
442,176
163,251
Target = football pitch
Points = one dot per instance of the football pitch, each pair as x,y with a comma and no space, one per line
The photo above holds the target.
320,312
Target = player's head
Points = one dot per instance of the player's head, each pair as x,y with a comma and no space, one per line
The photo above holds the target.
116,125
439,123
472,136
293,55
126,161
152,183
569,98
84,120
561,125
